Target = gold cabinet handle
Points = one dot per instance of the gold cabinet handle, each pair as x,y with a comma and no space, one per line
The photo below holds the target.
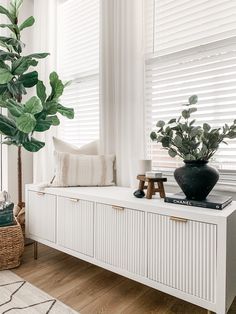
75,200
117,207
178,219
40,193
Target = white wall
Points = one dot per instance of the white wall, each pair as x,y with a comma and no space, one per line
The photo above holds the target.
9,174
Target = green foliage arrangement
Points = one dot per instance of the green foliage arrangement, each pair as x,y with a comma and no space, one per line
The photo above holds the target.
181,137
38,113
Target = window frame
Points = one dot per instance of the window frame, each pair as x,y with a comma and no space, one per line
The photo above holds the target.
228,182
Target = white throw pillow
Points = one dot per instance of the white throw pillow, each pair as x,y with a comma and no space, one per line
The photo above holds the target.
83,170
64,147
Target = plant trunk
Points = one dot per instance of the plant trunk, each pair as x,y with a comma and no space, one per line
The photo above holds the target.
19,166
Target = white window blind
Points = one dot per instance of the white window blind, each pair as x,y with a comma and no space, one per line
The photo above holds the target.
175,25
186,56
78,61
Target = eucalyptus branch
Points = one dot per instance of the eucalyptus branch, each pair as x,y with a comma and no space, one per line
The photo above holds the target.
181,137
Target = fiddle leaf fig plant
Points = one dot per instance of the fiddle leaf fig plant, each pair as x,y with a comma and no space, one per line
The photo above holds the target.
17,75
182,137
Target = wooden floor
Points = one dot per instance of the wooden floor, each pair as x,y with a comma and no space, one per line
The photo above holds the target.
90,289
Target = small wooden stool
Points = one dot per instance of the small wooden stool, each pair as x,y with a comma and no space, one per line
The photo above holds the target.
150,187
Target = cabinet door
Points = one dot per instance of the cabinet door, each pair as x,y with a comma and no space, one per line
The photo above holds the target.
41,215
135,242
182,255
119,234
75,225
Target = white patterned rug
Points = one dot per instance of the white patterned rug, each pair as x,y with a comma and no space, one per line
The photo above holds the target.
17,296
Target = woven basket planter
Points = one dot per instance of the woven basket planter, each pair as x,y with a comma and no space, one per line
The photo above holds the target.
11,246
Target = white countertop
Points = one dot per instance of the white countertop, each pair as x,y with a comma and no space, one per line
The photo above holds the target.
122,196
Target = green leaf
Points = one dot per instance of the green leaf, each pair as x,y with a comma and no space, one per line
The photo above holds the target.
194,132
226,127
185,114
159,138
26,122
5,95
169,131
57,87
14,108
191,110
189,157
204,149
27,23
42,125
22,64
9,142
184,127
172,152
192,122
178,141
39,55
6,55
33,145
33,105
7,127
53,120
5,76
11,27
193,100
19,138
41,91
231,134
4,45
16,88
206,127
7,13
153,136
29,79
4,65
172,121
14,7
160,124
16,44
165,141
67,112
3,88
51,107
41,116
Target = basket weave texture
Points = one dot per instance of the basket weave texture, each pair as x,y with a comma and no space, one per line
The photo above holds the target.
11,246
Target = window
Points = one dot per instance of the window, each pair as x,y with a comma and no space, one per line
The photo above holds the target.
78,61
191,49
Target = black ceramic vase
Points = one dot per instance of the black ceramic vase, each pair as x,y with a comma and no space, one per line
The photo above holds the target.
196,179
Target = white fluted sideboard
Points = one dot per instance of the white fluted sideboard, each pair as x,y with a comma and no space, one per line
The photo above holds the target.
187,252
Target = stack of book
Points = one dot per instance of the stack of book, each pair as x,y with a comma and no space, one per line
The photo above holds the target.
212,201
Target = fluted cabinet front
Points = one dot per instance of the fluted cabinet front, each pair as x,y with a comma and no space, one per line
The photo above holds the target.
41,210
75,225
120,237
182,255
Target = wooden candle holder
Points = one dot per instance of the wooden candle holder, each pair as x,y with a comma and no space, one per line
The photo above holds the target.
151,186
